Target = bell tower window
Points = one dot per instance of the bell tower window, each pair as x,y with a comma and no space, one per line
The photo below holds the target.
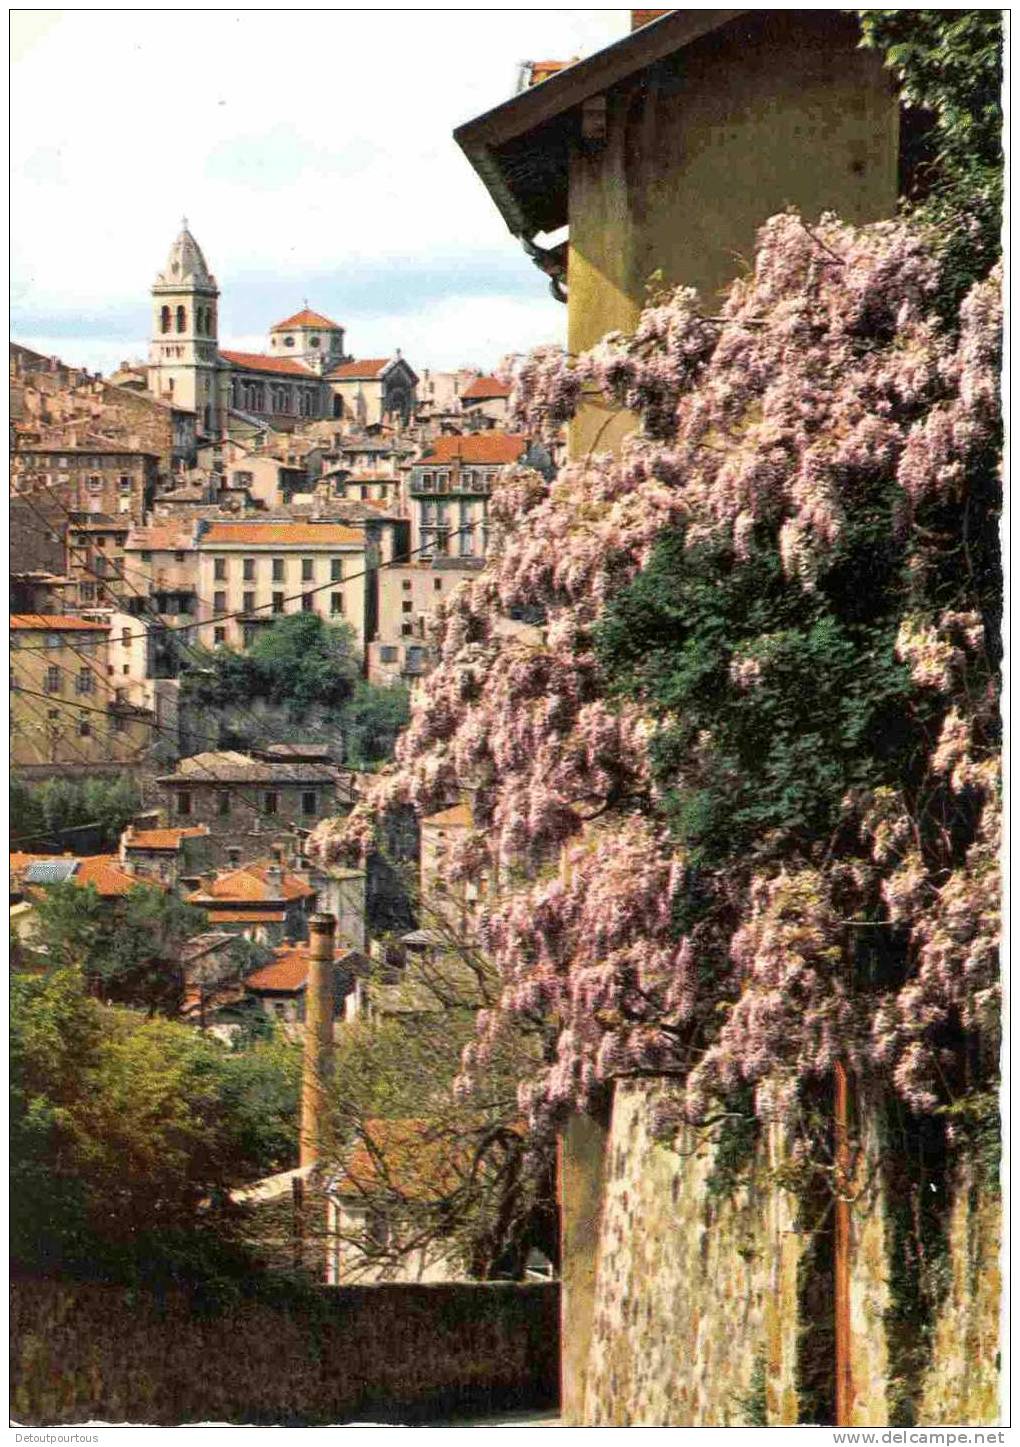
164,319
181,319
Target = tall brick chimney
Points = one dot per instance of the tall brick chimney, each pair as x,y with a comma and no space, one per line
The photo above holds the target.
318,1036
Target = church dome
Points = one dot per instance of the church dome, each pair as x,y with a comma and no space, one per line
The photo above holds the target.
185,266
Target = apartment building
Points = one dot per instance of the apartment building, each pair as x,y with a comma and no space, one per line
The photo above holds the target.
68,711
252,573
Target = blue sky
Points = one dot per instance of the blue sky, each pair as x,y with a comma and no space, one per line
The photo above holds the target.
312,154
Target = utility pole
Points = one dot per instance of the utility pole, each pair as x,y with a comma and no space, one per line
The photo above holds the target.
841,1259
318,1035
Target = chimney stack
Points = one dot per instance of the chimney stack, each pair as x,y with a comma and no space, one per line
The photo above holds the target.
318,1036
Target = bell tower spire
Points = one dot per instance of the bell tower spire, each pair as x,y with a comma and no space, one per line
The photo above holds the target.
183,353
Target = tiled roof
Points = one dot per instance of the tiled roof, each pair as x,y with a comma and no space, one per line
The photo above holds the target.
289,969
401,1156
162,537
162,838
55,623
249,916
459,816
484,388
225,766
258,362
479,447
20,862
105,873
251,883
102,525
366,371
205,944
294,535
307,318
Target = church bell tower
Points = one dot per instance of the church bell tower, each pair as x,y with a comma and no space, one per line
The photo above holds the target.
183,366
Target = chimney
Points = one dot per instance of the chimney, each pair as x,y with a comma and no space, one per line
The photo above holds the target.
318,1037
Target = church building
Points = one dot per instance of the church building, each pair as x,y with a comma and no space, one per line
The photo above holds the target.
305,375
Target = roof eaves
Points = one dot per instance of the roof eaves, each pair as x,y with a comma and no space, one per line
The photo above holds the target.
569,88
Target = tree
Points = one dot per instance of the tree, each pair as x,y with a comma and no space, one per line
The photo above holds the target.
128,1135
299,662
129,949
371,722
60,811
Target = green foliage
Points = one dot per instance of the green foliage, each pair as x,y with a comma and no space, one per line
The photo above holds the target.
127,1135
298,662
734,1147
41,813
827,712
371,722
129,949
949,63
755,1405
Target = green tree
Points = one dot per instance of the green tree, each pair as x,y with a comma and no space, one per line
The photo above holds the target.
129,949
371,722
58,812
298,662
128,1135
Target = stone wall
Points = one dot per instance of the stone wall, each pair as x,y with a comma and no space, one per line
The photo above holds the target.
389,1353
711,1304
696,1314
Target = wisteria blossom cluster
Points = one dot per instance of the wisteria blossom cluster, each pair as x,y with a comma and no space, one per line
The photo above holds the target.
771,418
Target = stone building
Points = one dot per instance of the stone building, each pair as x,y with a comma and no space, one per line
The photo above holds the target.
248,801
375,390
183,358
257,572
487,398
449,491
279,987
309,338
93,480
167,855
263,901
68,713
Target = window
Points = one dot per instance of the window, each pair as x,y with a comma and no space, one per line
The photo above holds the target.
125,637
184,802
270,802
248,603
407,630
307,603
84,729
219,602
437,584
388,653
219,635
248,570
53,679
220,569
88,592
407,585
124,485
336,602
307,570
119,723
164,319
309,803
147,557
178,557
277,602
408,605
277,570
223,803
95,485
288,341
126,668
182,319
336,569
364,493
83,683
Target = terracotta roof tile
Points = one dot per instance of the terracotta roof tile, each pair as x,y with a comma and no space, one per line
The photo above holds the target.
55,623
479,447
258,362
251,883
485,388
249,916
295,535
162,838
162,538
367,371
307,318
105,874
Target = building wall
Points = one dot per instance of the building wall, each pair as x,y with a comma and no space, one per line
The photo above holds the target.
76,722
228,593
114,484
779,108
246,824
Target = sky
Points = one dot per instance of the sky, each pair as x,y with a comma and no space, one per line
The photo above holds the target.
312,154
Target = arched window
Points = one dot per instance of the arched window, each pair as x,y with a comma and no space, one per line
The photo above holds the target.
338,406
181,319
164,319
200,320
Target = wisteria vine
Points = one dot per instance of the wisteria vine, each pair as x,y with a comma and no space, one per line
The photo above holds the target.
825,368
